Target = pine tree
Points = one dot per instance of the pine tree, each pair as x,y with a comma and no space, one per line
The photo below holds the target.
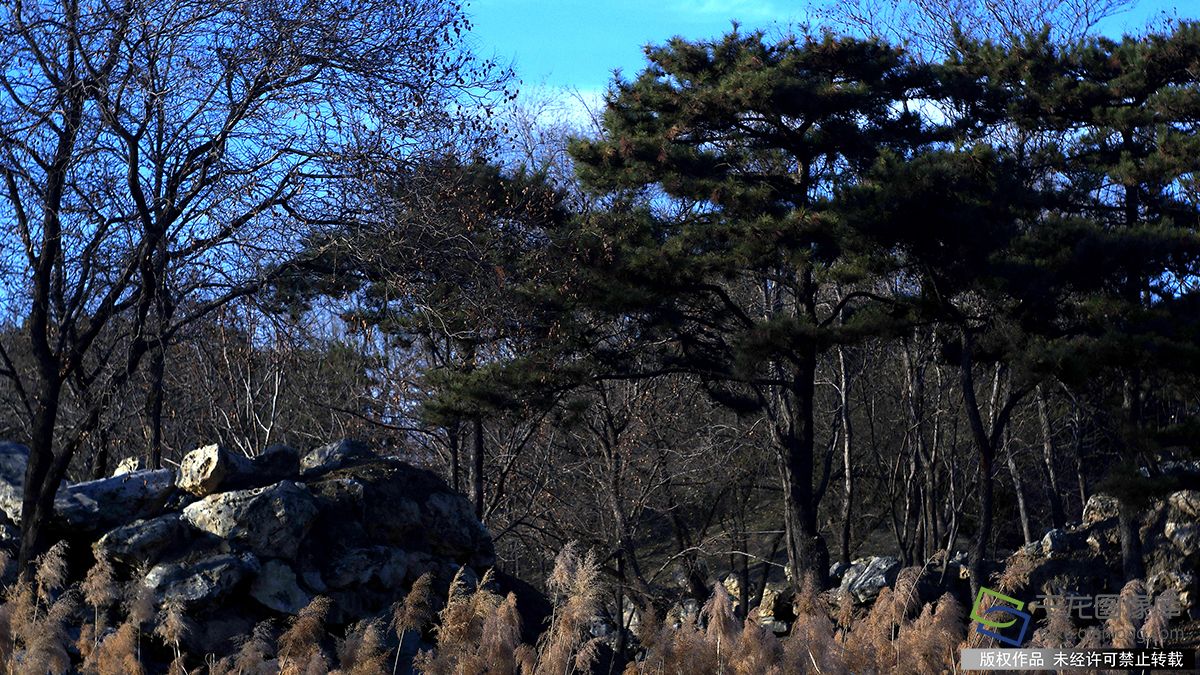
719,250
1123,115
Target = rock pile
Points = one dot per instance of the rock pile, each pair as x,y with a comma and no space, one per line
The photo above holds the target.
1085,559
240,539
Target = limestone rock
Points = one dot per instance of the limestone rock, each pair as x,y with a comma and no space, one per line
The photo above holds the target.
129,465
276,588
1058,542
110,502
278,462
335,455
867,576
1185,504
1185,537
1099,507
13,458
205,470
1184,583
387,502
202,582
384,565
269,521
141,542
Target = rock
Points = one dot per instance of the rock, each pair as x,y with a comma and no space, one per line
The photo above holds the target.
1185,504
213,468
1103,539
1182,582
1099,507
1185,537
336,455
202,582
222,631
9,534
1058,542
837,570
269,521
129,465
110,502
276,588
141,542
1180,468
278,462
733,586
13,458
776,603
386,502
384,565
867,576
205,470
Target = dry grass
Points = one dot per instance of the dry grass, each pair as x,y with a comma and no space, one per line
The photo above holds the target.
252,658
1124,623
300,645
362,651
478,631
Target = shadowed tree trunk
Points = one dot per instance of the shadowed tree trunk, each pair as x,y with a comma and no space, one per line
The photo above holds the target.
1057,514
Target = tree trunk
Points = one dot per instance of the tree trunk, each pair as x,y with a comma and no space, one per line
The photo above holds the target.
1132,565
154,405
986,451
453,440
477,466
1019,487
34,515
806,549
1057,515
847,465
983,537
99,468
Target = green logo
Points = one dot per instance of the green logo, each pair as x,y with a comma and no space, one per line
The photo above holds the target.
992,627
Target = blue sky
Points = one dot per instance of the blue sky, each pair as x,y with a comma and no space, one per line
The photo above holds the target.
578,43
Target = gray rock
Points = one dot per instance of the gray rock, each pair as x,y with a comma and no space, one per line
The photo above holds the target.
213,468
837,570
1185,537
110,502
452,516
278,462
269,521
276,588
13,458
1186,504
1058,543
310,578
1103,540
202,582
335,455
388,566
1099,507
867,576
141,542
1182,468
1182,582
129,465
386,502
210,469
9,534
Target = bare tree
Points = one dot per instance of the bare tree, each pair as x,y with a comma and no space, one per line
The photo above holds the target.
933,28
159,156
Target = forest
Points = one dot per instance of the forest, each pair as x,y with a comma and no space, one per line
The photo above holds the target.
911,291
